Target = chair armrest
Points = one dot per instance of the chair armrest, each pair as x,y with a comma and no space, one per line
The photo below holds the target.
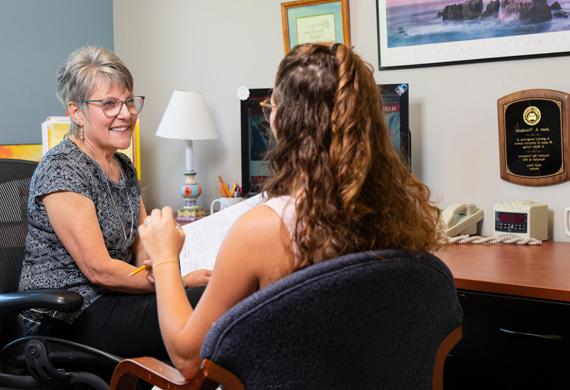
444,348
60,351
60,300
151,370
160,374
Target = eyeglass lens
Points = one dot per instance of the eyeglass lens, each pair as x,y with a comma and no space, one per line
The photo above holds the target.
112,107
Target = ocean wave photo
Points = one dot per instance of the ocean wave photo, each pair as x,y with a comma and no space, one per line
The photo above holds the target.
413,22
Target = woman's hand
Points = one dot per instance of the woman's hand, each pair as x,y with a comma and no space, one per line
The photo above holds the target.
197,278
161,236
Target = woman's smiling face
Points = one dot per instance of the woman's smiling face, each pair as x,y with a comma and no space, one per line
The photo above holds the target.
102,132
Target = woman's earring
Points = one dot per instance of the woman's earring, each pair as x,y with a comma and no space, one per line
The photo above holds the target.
81,134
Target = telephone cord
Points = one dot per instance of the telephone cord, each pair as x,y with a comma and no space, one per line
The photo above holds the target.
504,238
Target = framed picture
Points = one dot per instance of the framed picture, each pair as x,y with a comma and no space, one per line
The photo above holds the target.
315,21
32,152
395,104
256,138
414,33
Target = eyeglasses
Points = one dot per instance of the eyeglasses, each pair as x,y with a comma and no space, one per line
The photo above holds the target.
267,107
112,107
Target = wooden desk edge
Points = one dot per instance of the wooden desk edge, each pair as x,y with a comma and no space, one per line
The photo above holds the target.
514,290
541,272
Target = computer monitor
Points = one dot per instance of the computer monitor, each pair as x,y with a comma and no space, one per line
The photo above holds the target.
256,134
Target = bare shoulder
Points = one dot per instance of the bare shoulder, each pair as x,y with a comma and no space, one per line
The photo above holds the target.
259,221
252,237
251,256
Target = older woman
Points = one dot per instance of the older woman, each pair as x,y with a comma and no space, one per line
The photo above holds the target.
84,209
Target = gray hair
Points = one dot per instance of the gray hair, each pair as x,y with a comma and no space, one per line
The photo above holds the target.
84,67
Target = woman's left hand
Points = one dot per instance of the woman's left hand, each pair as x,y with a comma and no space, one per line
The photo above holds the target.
197,278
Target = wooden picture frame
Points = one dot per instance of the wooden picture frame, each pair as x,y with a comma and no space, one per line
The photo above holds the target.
315,21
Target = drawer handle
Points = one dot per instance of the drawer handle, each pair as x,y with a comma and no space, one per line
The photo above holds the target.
553,337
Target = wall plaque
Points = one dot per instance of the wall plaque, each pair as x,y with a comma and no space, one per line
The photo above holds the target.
534,145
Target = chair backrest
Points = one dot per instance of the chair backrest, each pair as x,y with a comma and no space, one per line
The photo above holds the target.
372,320
15,178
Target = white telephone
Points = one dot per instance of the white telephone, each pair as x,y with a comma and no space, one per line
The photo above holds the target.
461,218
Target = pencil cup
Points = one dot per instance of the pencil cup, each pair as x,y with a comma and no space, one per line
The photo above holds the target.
567,220
223,203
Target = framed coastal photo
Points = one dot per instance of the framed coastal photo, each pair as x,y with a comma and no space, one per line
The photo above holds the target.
307,21
413,33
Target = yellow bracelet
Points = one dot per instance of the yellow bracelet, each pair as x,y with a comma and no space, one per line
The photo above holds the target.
165,262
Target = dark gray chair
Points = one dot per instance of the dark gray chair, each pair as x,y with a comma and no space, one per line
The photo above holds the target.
36,362
371,320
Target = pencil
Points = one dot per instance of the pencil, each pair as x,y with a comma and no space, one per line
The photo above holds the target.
223,188
141,268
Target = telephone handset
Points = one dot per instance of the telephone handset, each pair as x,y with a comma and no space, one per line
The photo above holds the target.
461,218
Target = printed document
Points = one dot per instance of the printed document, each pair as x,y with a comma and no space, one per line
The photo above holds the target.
204,236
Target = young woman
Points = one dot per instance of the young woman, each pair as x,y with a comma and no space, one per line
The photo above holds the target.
338,186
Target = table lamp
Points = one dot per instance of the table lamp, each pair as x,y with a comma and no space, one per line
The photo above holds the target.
187,117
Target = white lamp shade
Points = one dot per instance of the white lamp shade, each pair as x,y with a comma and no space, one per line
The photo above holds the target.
187,117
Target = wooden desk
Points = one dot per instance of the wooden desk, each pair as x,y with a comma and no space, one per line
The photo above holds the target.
521,270
516,316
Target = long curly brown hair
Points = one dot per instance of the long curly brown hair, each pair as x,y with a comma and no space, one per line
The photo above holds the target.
334,155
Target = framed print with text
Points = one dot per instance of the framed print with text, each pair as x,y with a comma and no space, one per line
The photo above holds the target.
413,33
307,21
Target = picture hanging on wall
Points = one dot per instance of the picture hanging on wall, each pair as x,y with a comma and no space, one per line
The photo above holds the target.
413,33
307,21
32,152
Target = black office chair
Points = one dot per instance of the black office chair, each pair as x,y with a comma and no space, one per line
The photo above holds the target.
36,362
372,320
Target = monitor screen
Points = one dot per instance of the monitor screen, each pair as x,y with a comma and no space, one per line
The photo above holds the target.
256,134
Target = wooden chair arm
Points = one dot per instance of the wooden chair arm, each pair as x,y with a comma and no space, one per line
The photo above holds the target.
160,374
444,348
149,369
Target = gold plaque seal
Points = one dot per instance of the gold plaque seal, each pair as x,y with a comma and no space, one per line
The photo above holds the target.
531,115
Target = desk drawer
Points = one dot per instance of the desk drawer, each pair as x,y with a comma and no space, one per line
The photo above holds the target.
512,343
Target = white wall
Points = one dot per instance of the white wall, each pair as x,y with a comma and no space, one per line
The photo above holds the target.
215,46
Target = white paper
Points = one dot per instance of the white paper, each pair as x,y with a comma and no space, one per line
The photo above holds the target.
49,135
204,236
44,136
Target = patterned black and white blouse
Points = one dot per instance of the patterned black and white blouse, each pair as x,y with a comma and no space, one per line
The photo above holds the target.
47,264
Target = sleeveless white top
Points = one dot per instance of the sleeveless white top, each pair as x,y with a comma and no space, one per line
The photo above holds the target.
284,206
